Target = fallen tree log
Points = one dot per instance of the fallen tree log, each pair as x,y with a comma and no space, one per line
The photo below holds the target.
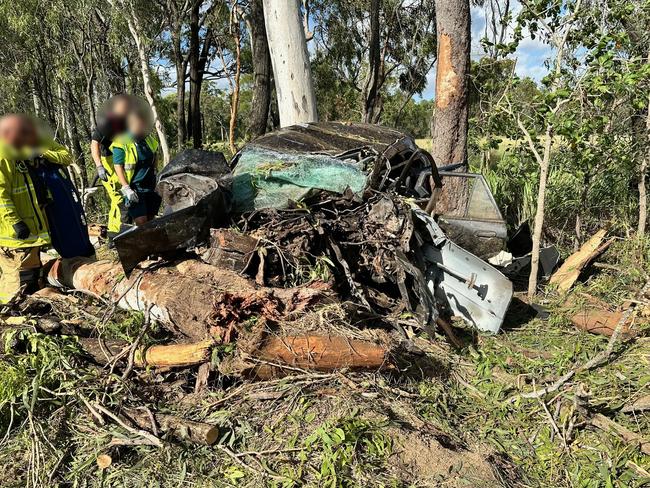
608,425
191,298
259,358
180,428
159,356
277,355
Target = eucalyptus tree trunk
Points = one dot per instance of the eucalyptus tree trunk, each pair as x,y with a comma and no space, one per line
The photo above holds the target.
234,99
372,102
544,164
194,107
136,32
450,116
76,138
261,70
90,97
291,69
450,120
643,168
36,103
544,160
72,132
43,89
197,58
180,62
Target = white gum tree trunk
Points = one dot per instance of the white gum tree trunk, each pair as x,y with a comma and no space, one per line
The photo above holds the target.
136,32
134,27
290,59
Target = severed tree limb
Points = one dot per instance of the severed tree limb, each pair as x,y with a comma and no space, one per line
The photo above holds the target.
608,425
140,433
180,428
321,353
159,356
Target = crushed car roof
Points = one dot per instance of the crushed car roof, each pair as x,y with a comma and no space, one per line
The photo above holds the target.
334,138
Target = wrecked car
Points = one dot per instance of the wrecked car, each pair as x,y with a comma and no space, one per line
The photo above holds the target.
365,199
289,163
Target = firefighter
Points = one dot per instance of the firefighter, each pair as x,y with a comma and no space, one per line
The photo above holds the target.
111,125
134,158
23,225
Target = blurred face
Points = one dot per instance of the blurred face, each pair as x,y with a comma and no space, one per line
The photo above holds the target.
137,125
18,131
121,107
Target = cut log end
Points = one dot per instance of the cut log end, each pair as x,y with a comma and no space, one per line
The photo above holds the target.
211,435
104,461
160,356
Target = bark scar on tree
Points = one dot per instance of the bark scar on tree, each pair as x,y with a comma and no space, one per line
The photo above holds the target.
446,77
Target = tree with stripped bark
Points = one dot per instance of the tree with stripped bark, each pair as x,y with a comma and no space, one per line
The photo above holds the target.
450,118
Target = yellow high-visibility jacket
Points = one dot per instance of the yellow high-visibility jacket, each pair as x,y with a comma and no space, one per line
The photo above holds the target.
17,196
127,144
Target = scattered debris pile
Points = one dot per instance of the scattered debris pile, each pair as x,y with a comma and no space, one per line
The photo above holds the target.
369,245
358,236
311,215
195,188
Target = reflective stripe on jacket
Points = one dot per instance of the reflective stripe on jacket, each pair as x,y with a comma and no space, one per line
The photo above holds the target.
18,201
128,145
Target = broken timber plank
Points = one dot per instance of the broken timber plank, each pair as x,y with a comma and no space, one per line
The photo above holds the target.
596,317
568,273
600,321
229,249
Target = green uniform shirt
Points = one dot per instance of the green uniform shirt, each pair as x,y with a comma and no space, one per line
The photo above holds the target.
144,175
